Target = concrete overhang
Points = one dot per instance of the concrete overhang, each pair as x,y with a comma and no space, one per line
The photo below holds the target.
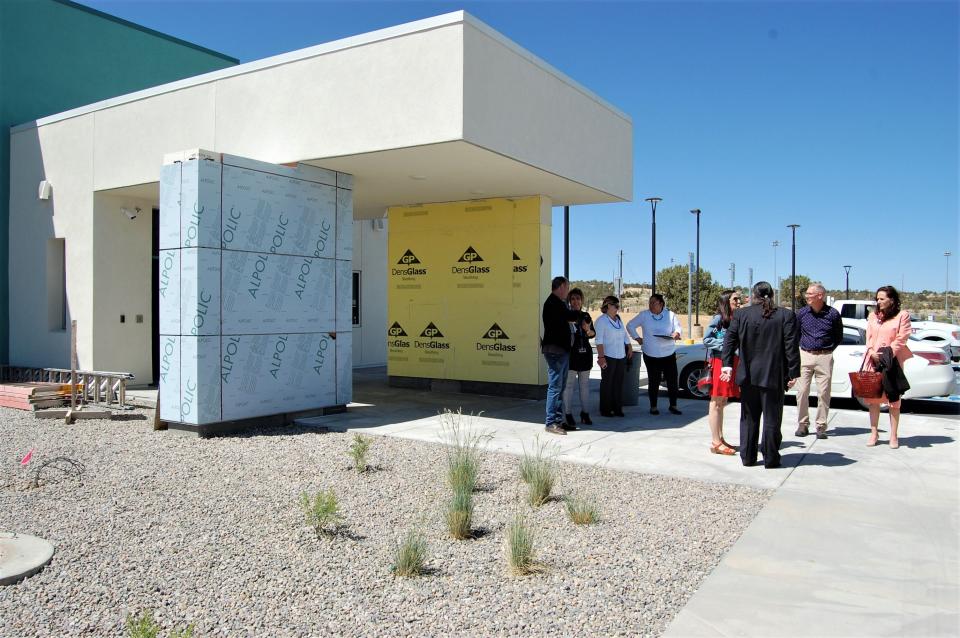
436,110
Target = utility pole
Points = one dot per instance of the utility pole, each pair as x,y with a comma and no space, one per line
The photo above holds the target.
620,291
733,274
776,280
946,289
750,271
696,211
793,267
653,241
689,295
847,269
566,242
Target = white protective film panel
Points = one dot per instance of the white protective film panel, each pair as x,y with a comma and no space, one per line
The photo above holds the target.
169,233
169,392
265,294
200,291
199,380
169,292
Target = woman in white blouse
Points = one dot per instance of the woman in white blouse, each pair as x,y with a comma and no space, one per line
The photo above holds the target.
661,329
613,353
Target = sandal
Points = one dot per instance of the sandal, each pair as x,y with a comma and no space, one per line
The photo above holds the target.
722,448
732,447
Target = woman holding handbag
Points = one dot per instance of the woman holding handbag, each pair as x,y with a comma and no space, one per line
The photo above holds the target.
720,391
887,327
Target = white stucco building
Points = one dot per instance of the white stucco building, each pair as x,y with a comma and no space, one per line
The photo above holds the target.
442,109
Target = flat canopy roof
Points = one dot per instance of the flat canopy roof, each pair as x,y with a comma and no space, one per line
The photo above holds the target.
439,109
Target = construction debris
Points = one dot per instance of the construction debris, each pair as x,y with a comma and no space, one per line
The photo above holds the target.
34,396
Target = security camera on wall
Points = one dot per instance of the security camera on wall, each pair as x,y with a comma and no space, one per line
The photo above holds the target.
131,214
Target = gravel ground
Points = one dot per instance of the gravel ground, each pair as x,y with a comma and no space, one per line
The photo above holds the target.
209,532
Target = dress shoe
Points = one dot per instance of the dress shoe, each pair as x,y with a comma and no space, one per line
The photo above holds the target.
606,414
619,414
585,419
555,428
821,434
654,411
569,427
801,431
571,420
674,410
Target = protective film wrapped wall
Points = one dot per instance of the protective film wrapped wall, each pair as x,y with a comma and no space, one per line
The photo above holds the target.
253,257
466,284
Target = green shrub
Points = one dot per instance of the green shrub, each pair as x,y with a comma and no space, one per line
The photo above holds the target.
520,548
322,512
358,452
463,451
142,625
460,514
410,554
582,510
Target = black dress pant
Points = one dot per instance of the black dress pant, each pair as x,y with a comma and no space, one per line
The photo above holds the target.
611,386
657,367
756,403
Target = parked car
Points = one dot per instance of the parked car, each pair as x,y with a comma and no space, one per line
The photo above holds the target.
929,371
856,312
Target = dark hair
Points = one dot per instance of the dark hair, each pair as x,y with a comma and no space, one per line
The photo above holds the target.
658,297
557,282
575,291
607,302
763,294
724,309
893,294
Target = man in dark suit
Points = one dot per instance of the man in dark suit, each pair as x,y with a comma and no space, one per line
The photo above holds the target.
768,340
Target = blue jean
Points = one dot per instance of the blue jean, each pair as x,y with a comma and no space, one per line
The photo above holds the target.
557,367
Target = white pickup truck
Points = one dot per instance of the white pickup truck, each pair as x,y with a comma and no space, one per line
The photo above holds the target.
947,335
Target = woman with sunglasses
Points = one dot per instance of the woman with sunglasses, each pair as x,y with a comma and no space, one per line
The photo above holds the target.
613,353
721,391
888,327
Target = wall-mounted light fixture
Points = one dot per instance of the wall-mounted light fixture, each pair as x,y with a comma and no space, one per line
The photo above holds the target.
45,190
131,214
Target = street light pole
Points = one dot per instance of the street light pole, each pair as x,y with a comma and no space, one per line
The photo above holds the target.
653,240
776,280
696,211
793,267
847,268
946,290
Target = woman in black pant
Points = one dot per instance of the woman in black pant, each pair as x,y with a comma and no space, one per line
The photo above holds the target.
661,329
613,352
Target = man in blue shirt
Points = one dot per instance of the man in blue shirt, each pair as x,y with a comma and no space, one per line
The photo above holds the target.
821,331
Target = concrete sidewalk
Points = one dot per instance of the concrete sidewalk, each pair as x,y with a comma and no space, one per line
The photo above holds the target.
855,541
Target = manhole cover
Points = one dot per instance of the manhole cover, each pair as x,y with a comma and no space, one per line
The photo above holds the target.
22,555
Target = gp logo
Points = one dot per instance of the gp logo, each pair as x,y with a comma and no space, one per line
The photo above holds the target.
409,258
470,256
495,332
396,330
431,332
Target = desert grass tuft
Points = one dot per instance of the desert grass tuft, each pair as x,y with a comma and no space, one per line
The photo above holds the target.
582,510
463,449
460,514
539,471
410,554
358,452
520,549
322,512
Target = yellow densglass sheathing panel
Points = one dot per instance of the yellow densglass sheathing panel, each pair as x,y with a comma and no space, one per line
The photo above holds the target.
466,281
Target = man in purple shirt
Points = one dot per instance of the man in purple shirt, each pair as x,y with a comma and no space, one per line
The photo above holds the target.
821,331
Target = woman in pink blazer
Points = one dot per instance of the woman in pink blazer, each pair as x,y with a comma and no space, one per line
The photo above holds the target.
888,326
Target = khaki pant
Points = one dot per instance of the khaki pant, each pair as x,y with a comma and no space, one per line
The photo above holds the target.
819,367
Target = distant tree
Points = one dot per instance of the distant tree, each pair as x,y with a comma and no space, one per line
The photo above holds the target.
672,284
802,283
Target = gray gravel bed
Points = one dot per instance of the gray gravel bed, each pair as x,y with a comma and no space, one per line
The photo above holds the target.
208,531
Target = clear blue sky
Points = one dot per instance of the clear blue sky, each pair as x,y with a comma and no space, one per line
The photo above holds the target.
839,116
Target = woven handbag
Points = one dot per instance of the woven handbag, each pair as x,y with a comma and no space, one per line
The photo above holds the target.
705,381
867,384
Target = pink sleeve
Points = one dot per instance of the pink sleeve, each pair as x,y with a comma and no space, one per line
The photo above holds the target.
903,333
